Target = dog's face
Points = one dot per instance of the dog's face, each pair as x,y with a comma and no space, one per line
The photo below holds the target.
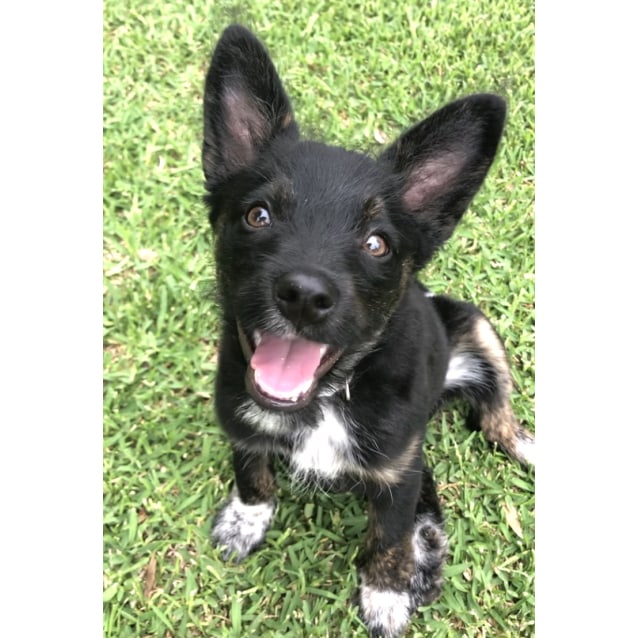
315,245
310,270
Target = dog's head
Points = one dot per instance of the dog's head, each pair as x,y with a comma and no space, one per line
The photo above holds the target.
316,245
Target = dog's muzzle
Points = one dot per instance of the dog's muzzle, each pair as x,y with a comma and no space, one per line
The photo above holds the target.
283,373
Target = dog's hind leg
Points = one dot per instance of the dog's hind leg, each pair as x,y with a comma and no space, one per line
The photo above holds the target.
479,372
430,544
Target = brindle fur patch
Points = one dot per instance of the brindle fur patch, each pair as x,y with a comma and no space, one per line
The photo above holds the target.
389,568
394,471
497,420
487,385
373,207
256,481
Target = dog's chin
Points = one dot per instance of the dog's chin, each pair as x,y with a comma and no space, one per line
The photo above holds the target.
268,402
271,397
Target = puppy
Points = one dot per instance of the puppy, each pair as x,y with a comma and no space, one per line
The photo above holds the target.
333,356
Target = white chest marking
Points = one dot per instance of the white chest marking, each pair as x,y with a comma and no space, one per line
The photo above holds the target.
262,420
326,449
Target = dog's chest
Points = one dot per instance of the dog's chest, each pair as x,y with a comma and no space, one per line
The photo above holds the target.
326,449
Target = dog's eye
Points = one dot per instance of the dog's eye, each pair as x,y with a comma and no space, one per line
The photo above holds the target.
376,246
258,217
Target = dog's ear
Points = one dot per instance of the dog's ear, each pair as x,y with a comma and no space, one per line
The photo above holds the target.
442,161
245,105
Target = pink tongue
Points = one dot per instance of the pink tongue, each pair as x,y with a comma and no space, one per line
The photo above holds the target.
285,368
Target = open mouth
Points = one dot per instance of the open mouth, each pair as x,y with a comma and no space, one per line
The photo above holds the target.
283,372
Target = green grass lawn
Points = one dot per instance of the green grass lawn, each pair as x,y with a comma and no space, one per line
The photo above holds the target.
358,72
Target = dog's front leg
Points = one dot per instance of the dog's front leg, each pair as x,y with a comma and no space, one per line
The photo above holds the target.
404,555
241,524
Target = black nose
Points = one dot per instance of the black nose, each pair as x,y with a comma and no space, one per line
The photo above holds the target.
305,298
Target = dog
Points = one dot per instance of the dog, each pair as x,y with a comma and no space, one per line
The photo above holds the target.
333,356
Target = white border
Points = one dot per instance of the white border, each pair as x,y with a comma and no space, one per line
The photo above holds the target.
586,281
51,315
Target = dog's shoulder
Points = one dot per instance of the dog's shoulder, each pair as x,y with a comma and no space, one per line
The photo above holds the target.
415,338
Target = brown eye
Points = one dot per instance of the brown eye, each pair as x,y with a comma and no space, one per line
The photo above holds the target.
376,246
258,217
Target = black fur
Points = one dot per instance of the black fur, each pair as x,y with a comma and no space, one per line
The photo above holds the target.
319,245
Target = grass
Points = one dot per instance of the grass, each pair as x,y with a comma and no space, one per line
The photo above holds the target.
358,72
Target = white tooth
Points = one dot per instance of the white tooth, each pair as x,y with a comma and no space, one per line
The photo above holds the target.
257,338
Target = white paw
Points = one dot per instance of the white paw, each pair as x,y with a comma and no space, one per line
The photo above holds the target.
525,450
240,528
385,612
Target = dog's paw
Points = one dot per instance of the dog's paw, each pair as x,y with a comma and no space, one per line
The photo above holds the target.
240,528
524,449
429,543
386,613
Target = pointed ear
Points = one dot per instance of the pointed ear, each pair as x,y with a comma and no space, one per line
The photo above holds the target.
442,161
245,105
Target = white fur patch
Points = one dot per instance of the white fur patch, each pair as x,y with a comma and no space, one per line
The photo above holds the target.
325,449
462,369
525,450
240,527
266,421
384,611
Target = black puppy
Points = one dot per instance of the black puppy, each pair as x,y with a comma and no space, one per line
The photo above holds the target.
333,356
